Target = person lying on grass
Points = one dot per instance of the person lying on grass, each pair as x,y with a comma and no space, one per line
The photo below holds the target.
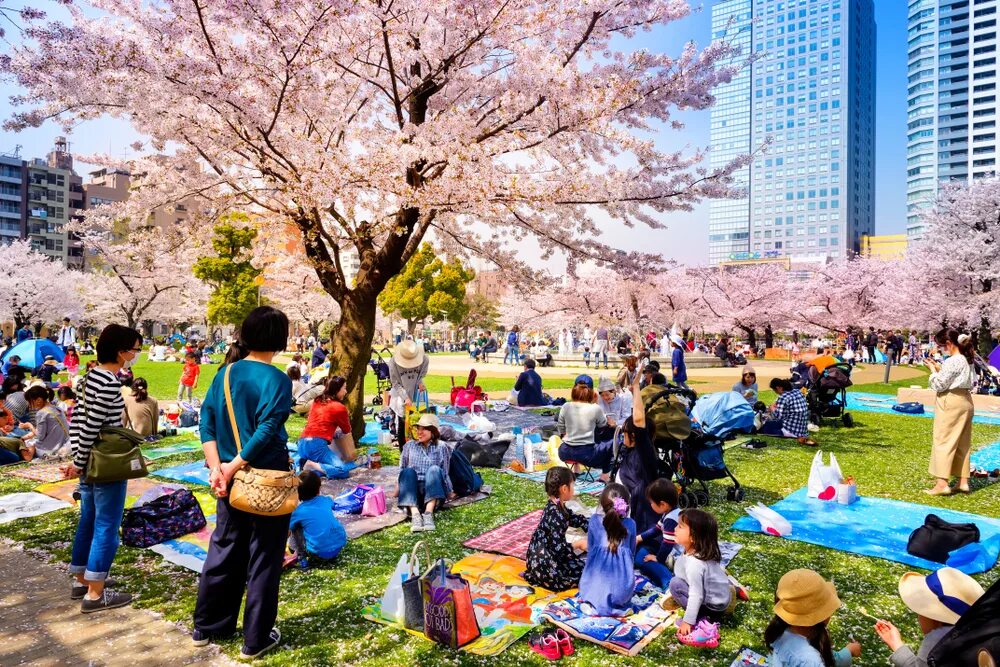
788,417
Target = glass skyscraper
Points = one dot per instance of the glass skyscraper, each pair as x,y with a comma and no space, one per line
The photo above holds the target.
951,98
810,98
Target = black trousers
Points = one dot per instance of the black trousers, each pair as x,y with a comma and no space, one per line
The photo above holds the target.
245,553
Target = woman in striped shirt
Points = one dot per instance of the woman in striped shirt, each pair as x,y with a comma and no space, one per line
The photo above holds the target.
101,505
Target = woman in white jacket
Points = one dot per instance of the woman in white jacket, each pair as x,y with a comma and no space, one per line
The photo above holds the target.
953,411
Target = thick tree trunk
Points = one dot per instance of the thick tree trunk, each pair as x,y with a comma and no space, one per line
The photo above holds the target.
350,352
984,344
751,336
768,337
411,326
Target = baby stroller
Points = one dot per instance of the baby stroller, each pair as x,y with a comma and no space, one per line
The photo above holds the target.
987,377
698,457
380,367
827,394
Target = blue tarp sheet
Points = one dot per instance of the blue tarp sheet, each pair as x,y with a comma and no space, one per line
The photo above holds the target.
874,527
858,401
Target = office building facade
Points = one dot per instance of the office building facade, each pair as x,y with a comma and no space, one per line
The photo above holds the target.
810,98
952,103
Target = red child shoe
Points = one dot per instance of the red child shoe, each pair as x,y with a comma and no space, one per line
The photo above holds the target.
545,645
565,643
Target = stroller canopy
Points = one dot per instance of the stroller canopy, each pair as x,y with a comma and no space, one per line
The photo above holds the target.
723,413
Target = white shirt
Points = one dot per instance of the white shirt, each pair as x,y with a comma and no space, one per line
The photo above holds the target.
955,373
67,336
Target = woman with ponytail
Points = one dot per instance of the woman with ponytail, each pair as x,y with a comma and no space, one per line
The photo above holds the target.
608,580
142,411
953,410
51,425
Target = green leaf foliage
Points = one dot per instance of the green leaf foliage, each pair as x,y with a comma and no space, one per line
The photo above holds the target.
428,288
230,272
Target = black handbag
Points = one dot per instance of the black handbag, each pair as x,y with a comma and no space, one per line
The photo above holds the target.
413,595
937,538
489,455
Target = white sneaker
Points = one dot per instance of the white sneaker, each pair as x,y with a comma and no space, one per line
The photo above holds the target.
429,523
417,522
812,428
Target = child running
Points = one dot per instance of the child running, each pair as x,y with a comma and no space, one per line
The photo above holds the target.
797,635
608,579
315,531
700,584
659,544
189,376
551,561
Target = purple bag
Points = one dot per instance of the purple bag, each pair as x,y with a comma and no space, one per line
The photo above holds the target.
449,617
165,518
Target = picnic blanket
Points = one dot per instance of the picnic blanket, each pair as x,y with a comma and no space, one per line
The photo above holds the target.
627,635
190,473
513,537
871,527
190,550
987,458
64,490
506,605
40,471
170,450
590,488
749,658
21,505
863,402
505,420
387,477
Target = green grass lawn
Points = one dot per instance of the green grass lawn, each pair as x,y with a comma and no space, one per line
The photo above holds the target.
320,612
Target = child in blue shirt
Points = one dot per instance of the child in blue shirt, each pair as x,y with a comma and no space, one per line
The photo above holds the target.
658,544
608,579
314,529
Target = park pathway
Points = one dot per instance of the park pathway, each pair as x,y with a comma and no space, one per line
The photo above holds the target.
40,625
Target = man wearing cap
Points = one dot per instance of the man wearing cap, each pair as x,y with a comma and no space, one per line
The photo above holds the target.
939,600
319,354
529,386
67,335
407,368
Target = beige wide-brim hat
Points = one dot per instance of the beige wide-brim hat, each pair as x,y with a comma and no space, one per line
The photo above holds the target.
408,354
942,596
805,598
429,419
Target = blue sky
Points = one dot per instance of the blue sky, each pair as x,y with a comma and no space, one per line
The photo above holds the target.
686,238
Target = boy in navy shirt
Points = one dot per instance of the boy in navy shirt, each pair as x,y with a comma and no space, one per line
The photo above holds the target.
314,529
656,546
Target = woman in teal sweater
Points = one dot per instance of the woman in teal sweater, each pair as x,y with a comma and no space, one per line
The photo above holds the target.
246,550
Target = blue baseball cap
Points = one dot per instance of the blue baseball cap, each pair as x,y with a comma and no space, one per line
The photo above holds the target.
585,379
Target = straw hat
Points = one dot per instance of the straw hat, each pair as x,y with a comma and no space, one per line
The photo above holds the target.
408,354
942,596
805,598
604,383
428,419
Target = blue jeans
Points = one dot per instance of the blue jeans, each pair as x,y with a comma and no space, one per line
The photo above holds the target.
7,456
514,353
318,450
414,493
593,456
657,573
96,540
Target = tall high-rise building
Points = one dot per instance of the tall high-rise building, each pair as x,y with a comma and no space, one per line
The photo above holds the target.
951,98
810,97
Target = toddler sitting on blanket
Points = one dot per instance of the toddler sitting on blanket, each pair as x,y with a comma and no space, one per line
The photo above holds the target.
314,529
797,635
659,544
700,584
551,561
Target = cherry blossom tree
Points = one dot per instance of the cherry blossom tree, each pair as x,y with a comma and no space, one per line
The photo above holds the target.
959,256
860,291
291,284
35,290
371,125
748,298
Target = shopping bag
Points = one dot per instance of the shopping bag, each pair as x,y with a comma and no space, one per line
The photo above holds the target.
374,503
823,479
847,492
413,597
392,598
449,617
413,412
770,521
351,502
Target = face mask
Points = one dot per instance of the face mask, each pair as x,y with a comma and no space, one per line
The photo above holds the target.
128,363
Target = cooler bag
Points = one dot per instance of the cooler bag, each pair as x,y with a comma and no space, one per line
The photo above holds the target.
168,517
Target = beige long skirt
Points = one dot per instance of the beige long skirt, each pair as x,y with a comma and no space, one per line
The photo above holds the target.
953,412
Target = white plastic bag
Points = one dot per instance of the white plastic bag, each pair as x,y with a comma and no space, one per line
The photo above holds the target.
392,599
823,479
478,423
770,521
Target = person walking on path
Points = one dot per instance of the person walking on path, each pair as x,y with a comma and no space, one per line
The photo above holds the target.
513,347
67,335
953,411
600,345
101,504
246,550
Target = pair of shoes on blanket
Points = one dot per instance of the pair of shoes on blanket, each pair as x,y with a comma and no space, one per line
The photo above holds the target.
551,644
703,635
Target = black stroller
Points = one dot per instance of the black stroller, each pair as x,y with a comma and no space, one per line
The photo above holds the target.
827,394
987,380
380,367
687,459
975,639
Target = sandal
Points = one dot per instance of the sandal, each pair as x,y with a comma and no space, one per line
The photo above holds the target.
808,441
936,492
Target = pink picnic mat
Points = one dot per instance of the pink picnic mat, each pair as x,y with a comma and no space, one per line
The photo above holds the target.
510,539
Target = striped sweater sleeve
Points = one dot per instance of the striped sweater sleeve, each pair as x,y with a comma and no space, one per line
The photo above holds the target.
102,408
